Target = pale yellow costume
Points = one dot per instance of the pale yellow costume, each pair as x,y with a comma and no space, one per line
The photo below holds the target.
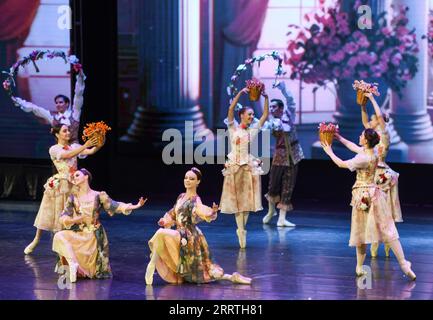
371,219
57,188
86,244
242,182
386,178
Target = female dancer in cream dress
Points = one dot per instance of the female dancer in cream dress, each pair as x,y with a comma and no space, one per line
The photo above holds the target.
58,187
83,244
182,255
241,192
385,178
372,222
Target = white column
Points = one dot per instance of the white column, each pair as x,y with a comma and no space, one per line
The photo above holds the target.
410,112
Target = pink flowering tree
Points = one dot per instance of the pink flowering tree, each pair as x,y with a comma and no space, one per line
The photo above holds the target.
333,48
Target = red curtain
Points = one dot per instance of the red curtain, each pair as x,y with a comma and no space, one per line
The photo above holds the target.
16,18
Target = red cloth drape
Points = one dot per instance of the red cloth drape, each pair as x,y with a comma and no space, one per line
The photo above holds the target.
16,18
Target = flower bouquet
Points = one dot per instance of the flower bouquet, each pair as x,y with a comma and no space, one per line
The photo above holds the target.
256,88
54,182
365,202
327,132
96,129
361,88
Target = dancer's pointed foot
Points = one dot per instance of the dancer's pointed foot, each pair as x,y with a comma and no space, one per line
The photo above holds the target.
360,271
238,278
373,249
285,223
406,267
29,249
150,270
267,218
242,236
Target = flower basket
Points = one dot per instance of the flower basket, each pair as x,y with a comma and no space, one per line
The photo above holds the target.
363,87
327,132
96,129
256,88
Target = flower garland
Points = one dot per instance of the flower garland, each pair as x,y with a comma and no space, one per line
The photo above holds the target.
32,58
231,88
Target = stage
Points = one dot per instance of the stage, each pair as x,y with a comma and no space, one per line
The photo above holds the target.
309,262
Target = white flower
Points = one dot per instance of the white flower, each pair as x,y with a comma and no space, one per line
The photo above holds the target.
183,242
73,59
363,206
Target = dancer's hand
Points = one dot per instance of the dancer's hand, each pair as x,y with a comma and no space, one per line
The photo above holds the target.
245,90
92,142
139,204
369,95
264,94
215,207
337,136
326,147
161,222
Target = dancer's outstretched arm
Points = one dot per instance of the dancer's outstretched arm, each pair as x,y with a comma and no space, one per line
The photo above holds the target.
377,110
349,144
80,150
36,110
328,149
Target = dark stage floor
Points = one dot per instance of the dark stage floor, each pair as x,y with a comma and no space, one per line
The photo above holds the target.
311,261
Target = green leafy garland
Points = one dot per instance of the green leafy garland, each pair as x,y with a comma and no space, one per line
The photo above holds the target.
32,58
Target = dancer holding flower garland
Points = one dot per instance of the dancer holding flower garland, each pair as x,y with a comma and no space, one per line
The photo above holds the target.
372,222
385,177
182,255
58,187
241,192
64,114
288,153
83,243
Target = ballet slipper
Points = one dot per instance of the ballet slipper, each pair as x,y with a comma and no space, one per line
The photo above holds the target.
267,218
282,222
240,279
387,249
406,267
373,249
73,269
242,236
360,271
150,270
29,249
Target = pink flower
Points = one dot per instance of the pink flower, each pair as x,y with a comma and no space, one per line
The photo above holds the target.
396,59
337,57
6,85
350,47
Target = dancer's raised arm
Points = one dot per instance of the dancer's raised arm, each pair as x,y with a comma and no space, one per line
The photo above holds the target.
78,96
377,110
231,112
36,110
265,110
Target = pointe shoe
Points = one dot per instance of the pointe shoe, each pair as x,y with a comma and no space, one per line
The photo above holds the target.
29,249
267,218
406,267
242,236
360,271
150,270
387,248
373,249
285,223
238,278
73,268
